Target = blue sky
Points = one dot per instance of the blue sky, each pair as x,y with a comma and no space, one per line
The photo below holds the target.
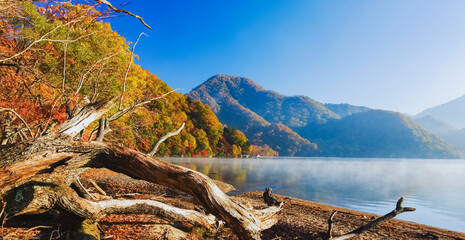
399,55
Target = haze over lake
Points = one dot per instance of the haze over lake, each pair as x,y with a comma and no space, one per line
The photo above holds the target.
436,188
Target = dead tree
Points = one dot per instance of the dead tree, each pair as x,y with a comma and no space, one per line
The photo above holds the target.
398,210
36,176
269,199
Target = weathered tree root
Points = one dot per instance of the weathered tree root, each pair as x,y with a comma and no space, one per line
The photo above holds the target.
399,209
36,176
269,199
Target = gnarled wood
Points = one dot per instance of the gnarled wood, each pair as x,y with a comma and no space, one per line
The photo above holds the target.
59,156
399,209
87,115
202,188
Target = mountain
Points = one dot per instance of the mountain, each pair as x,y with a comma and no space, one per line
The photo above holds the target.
457,138
452,112
444,130
435,126
377,133
264,116
293,124
344,109
295,111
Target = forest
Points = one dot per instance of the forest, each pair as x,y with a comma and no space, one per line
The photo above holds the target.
57,58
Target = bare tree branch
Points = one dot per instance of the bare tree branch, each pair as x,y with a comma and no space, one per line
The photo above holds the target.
124,11
127,71
83,76
168,135
84,189
124,111
43,38
64,64
399,209
102,128
330,225
22,119
51,114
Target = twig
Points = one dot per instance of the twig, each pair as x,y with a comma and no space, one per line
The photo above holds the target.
41,39
127,70
15,113
330,225
64,64
3,210
83,76
37,227
3,219
124,111
124,11
97,187
82,186
57,231
51,114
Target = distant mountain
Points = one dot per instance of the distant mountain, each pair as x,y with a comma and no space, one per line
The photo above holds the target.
377,133
295,111
444,130
291,125
452,112
245,105
344,109
435,126
457,138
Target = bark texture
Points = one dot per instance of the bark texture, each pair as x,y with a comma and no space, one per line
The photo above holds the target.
37,175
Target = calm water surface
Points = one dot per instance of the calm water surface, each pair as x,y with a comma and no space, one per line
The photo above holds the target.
436,188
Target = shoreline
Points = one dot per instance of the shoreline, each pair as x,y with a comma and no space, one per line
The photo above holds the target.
310,220
299,219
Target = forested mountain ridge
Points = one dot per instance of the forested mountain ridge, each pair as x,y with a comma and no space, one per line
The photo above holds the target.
444,130
245,105
377,133
344,109
347,131
294,111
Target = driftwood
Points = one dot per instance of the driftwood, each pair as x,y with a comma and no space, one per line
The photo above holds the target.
398,210
269,199
37,175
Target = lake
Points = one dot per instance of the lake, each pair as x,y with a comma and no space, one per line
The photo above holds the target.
436,188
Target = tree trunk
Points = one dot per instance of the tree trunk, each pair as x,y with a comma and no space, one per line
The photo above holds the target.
52,163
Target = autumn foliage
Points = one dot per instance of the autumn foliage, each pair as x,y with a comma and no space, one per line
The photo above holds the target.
55,57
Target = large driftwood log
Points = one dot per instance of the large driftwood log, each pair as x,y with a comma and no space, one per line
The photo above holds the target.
36,176
398,210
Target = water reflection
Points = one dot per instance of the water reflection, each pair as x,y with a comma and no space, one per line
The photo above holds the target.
435,187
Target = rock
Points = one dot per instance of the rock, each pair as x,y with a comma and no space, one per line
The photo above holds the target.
166,231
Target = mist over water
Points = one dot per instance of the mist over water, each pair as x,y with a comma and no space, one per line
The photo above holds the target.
436,188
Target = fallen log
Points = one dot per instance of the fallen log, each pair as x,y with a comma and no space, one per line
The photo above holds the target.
36,176
398,210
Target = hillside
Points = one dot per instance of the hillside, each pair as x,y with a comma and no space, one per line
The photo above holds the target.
435,126
452,112
449,133
344,109
243,104
203,134
377,133
337,129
